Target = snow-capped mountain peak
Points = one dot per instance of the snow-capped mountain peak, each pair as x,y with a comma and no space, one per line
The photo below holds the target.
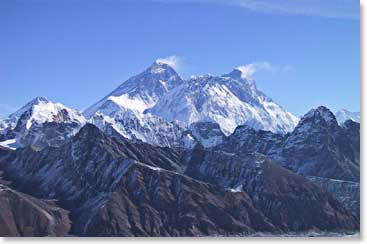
142,91
41,110
41,122
160,67
248,83
229,100
34,102
321,114
123,110
319,120
238,74
344,115
160,95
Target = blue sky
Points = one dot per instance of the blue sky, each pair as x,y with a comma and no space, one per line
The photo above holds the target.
303,53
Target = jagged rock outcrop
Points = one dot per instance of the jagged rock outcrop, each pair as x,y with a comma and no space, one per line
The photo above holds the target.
318,146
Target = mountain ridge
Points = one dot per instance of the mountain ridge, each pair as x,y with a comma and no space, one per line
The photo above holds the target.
103,181
227,100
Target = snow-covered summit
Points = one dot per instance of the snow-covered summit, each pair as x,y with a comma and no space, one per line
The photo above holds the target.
239,74
344,115
142,91
41,110
122,111
320,115
41,121
229,100
34,102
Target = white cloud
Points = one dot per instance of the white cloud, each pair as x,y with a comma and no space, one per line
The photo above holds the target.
345,9
173,61
341,9
249,70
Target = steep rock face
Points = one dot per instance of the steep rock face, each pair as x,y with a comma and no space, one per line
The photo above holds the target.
40,123
142,91
23,215
319,147
289,200
351,132
229,100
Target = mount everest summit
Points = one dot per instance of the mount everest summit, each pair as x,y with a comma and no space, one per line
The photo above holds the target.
142,91
229,100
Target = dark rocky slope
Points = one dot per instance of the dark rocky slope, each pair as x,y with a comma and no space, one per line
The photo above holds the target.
93,174
289,200
24,215
152,202
347,192
114,187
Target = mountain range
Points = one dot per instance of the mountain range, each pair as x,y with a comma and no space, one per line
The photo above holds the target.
165,156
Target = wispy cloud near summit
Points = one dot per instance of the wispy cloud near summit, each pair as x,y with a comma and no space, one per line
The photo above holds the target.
249,70
173,61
